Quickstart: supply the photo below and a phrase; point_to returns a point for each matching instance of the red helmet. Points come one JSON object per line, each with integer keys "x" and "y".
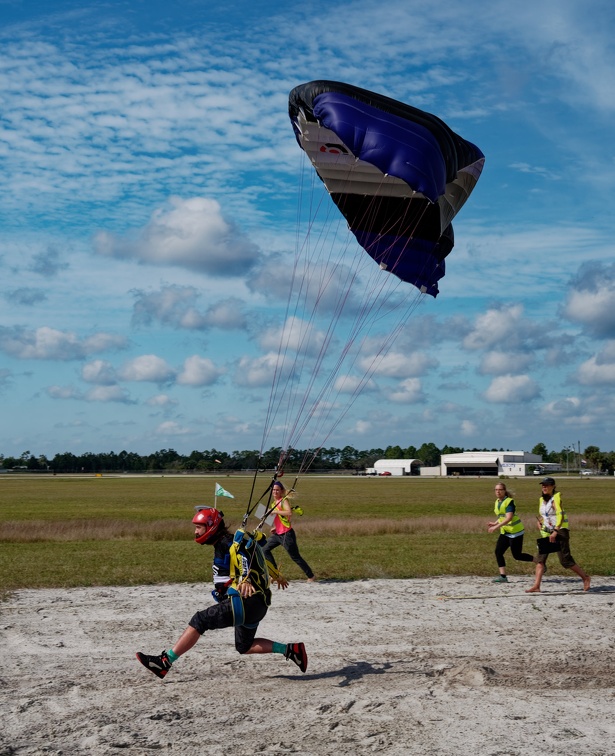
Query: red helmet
{"x": 212, "y": 520}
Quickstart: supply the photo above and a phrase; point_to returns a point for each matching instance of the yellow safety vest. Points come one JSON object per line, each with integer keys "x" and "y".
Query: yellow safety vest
{"x": 515, "y": 525}
{"x": 561, "y": 518}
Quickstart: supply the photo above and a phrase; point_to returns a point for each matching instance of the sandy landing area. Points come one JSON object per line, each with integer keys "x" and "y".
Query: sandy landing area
{"x": 436, "y": 666}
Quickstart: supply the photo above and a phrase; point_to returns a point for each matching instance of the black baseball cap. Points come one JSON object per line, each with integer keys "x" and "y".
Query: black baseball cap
{"x": 547, "y": 482}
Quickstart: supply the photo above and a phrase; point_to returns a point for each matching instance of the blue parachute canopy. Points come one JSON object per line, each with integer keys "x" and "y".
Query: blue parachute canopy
{"x": 399, "y": 175}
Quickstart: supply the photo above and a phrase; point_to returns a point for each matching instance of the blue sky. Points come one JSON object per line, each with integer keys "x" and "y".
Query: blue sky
{"x": 148, "y": 207}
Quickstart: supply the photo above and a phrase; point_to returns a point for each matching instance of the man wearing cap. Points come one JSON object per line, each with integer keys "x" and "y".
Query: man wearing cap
{"x": 553, "y": 524}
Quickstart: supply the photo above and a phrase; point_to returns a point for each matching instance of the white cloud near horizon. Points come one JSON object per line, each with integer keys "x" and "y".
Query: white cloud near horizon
{"x": 598, "y": 370}
{"x": 409, "y": 391}
{"x": 259, "y": 371}
{"x": 495, "y": 327}
{"x": 512, "y": 389}
{"x": 171, "y": 428}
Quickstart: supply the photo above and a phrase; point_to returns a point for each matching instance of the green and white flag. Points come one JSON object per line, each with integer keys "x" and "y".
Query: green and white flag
{"x": 221, "y": 492}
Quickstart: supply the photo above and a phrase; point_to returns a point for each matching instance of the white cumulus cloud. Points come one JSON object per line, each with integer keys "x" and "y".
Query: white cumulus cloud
{"x": 599, "y": 369}
{"x": 108, "y": 394}
{"x": 199, "y": 371}
{"x": 408, "y": 392}
{"x": 161, "y": 400}
{"x": 172, "y": 428}
{"x": 259, "y": 371}
{"x": 46, "y": 343}
{"x": 63, "y": 392}
{"x": 495, "y": 327}
{"x": 398, "y": 364}
{"x": 504, "y": 363}
{"x": 296, "y": 335}
{"x": 100, "y": 372}
{"x": 147, "y": 367}
{"x": 511, "y": 389}
{"x": 349, "y": 384}
{"x": 591, "y": 300}
{"x": 189, "y": 233}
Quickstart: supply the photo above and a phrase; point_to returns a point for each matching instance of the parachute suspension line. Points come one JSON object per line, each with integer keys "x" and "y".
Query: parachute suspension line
{"x": 313, "y": 406}
{"x": 340, "y": 306}
{"x": 279, "y": 362}
{"x": 298, "y": 330}
{"x": 376, "y": 360}
{"x": 367, "y": 311}
{"x": 283, "y": 347}
{"x": 304, "y": 281}
{"x": 249, "y": 506}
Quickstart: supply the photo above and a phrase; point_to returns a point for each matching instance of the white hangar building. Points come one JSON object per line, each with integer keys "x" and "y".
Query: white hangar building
{"x": 395, "y": 467}
{"x": 513, "y": 463}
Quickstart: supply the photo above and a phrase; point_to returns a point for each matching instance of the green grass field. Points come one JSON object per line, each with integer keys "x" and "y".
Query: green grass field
{"x": 81, "y": 531}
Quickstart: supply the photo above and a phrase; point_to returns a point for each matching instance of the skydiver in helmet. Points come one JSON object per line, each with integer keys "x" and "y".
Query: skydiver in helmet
{"x": 241, "y": 578}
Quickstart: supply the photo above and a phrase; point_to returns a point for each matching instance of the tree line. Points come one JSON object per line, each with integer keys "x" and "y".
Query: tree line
{"x": 345, "y": 459}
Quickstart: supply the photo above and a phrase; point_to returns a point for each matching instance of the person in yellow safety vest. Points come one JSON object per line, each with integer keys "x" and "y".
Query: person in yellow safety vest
{"x": 511, "y": 531}
{"x": 553, "y": 524}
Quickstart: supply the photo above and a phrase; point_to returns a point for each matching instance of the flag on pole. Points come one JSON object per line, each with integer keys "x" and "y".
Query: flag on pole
{"x": 221, "y": 492}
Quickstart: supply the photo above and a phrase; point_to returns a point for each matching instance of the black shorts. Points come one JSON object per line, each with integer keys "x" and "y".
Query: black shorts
{"x": 221, "y": 615}
{"x": 565, "y": 557}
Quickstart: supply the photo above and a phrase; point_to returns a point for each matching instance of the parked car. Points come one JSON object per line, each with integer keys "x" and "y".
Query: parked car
{"x": 386, "y": 472}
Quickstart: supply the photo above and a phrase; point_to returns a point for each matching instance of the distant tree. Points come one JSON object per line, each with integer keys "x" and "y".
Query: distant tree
{"x": 594, "y": 457}
{"x": 270, "y": 458}
{"x": 451, "y": 449}
{"x": 348, "y": 457}
{"x": 609, "y": 462}
{"x": 542, "y": 450}
{"x": 429, "y": 454}
{"x": 394, "y": 452}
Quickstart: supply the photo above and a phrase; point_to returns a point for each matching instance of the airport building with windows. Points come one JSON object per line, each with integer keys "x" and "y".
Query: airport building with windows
{"x": 513, "y": 463}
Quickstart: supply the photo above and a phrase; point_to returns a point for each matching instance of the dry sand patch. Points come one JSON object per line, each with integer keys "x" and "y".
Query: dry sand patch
{"x": 433, "y": 666}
